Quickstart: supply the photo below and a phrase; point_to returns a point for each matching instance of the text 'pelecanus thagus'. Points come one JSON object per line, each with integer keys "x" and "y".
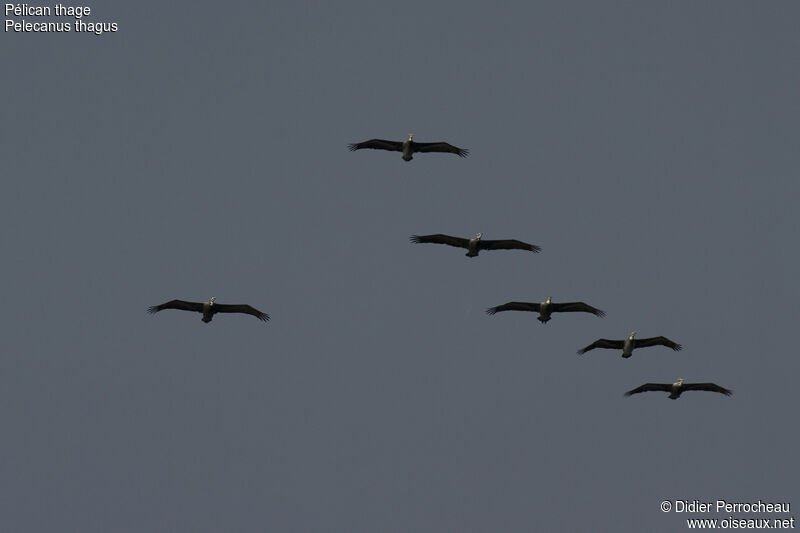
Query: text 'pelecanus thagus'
{"x": 545, "y": 308}
{"x": 409, "y": 147}
{"x": 209, "y": 308}
{"x": 476, "y": 244}
{"x": 679, "y": 387}
{"x": 628, "y": 345}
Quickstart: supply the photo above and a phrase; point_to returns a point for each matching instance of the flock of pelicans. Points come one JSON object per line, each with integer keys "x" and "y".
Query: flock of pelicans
{"x": 473, "y": 247}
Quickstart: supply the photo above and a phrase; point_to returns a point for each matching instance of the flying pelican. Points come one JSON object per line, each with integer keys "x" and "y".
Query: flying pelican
{"x": 677, "y": 388}
{"x": 630, "y": 343}
{"x": 409, "y": 147}
{"x": 209, "y": 308}
{"x": 545, "y": 308}
{"x": 475, "y": 245}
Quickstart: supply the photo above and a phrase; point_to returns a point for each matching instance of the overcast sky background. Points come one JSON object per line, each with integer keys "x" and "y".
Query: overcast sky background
{"x": 649, "y": 148}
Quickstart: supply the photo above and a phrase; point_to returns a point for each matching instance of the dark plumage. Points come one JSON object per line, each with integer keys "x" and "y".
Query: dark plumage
{"x": 546, "y": 308}
{"x": 476, "y": 244}
{"x": 628, "y": 345}
{"x": 209, "y": 308}
{"x": 409, "y": 147}
{"x": 678, "y": 388}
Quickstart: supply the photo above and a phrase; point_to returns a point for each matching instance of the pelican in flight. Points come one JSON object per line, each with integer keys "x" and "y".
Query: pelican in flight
{"x": 545, "y": 308}
{"x": 409, "y": 147}
{"x": 679, "y": 387}
{"x": 627, "y": 346}
{"x": 209, "y": 308}
{"x": 476, "y": 244}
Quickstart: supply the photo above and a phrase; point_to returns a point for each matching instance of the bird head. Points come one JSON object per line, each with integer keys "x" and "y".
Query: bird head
{"x": 211, "y": 300}
{"x": 632, "y": 335}
{"x": 478, "y": 235}
{"x": 679, "y": 382}
{"x": 548, "y": 299}
{"x": 410, "y": 136}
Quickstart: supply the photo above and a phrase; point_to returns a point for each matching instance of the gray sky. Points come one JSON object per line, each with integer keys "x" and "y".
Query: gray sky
{"x": 651, "y": 149}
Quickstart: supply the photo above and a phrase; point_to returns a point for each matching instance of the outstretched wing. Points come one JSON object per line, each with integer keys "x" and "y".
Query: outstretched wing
{"x": 177, "y": 304}
{"x": 378, "y": 144}
{"x": 602, "y": 343}
{"x": 647, "y": 387}
{"x": 440, "y": 238}
{"x": 241, "y": 308}
{"x": 657, "y": 341}
{"x": 575, "y": 307}
{"x": 712, "y": 387}
{"x": 439, "y": 147}
{"x": 507, "y": 244}
{"x": 514, "y": 306}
